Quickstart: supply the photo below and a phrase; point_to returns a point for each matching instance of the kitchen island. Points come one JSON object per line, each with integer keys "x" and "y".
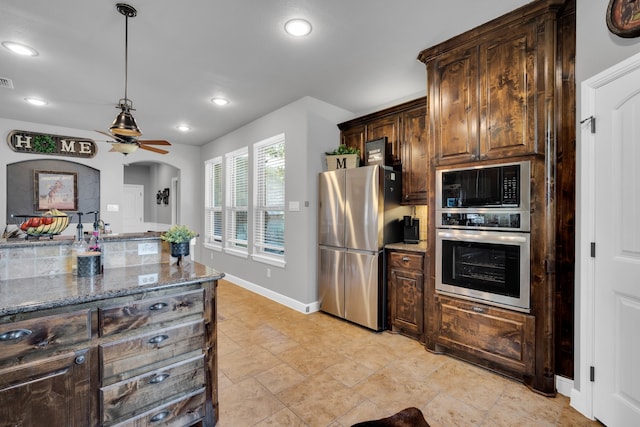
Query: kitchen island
{"x": 133, "y": 346}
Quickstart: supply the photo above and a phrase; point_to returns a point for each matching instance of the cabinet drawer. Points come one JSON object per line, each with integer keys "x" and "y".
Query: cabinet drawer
{"x": 500, "y": 336}
{"x": 43, "y": 335}
{"x": 178, "y": 413}
{"x": 140, "y": 394}
{"x": 151, "y": 311}
{"x": 405, "y": 260}
{"x": 132, "y": 356}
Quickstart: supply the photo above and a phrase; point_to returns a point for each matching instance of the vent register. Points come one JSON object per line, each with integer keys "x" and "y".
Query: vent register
{"x": 6, "y": 83}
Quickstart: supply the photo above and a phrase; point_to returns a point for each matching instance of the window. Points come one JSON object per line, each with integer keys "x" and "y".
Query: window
{"x": 237, "y": 175}
{"x": 269, "y": 197}
{"x": 213, "y": 203}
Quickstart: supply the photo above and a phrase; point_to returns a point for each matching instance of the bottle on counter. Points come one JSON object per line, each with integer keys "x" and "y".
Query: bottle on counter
{"x": 79, "y": 246}
{"x": 95, "y": 245}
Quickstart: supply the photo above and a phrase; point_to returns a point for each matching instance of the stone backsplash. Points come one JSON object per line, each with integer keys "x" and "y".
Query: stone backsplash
{"x": 41, "y": 258}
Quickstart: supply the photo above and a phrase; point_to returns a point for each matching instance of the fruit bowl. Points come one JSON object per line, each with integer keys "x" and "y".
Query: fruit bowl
{"x": 51, "y": 223}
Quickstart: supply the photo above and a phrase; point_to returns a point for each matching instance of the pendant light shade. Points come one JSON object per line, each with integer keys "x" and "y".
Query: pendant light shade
{"x": 124, "y": 123}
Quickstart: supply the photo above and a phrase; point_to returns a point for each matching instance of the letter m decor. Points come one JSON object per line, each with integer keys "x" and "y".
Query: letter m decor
{"x": 22, "y": 141}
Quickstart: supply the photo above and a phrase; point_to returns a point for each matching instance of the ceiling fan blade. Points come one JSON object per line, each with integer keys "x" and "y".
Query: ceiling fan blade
{"x": 154, "y": 149}
{"x": 117, "y": 138}
{"x": 154, "y": 142}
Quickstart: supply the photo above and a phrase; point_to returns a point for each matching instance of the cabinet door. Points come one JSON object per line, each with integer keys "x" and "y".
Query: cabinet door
{"x": 388, "y": 126}
{"x": 407, "y": 308}
{"x": 52, "y": 392}
{"x": 453, "y": 104}
{"x": 354, "y": 137}
{"x": 499, "y": 337}
{"x": 507, "y": 94}
{"x": 415, "y": 159}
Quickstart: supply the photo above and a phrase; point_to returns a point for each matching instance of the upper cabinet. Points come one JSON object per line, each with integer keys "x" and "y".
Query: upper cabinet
{"x": 490, "y": 93}
{"x": 404, "y": 126}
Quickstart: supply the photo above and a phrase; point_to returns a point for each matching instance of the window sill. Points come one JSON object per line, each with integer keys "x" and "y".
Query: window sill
{"x": 276, "y": 262}
{"x": 236, "y": 252}
{"x": 213, "y": 247}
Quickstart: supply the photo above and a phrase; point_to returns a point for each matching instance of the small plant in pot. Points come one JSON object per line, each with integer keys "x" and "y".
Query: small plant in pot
{"x": 343, "y": 157}
{"x": 179, "y": 237}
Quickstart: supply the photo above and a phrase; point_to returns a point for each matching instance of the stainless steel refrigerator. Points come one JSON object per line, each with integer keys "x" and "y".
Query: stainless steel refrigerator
{"x": 359, "y": 213}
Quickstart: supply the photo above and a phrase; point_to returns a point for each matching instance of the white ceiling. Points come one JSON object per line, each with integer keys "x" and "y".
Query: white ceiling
{"x": 360, "y": 56}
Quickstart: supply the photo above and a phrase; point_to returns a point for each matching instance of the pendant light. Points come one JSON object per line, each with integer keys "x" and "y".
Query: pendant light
{"x": 124, "y": 123}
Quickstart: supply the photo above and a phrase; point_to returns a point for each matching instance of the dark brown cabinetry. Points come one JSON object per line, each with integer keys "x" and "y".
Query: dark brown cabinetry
{"x": 486, "y": 94}
{"x": 141, "y": 359}
{"x": 406, "y": 296}
{"x": 54, "y": 391}
{"x": 404, "y": 126}
{"x": 497, "y": 337}
{"x": 501, "y": 91}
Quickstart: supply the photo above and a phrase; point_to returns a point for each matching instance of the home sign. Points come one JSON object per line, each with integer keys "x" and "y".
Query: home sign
{"x": 22, "y": 141}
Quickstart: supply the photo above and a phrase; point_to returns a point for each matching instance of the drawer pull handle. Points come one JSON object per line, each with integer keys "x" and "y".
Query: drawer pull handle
{"x": 477, "y": 309}
{"x": 159, "y": 417}
{"x": 15, "y": 335}
{"x": 157, "y": 379}
{"x": 158, "y": 306}
{"x": 405, "y": 258}
{"x": 158, "y": 339}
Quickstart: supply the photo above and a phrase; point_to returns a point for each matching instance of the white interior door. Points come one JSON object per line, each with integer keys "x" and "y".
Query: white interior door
{"x": 133, "y": 209}
{"x": 616, "y": 387}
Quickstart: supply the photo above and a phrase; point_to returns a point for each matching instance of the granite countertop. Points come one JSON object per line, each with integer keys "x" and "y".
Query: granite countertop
{"x": 37, "y": 293}
{"x": 409, "y": 247}
{"x": 58, "y": 240}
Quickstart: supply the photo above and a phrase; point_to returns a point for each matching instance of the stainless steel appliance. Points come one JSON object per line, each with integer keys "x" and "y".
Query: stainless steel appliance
{"x": 359, "y": 212}
{"x": 482, "y": 234}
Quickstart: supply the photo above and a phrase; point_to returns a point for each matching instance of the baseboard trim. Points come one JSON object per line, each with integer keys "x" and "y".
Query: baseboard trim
{"x": 564, "y": 385}
{"x": 274, "y": 296}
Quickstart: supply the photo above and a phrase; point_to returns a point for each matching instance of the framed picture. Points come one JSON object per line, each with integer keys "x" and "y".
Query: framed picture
{"x": 623, "y": 17}
{"x": 55, "y": 190}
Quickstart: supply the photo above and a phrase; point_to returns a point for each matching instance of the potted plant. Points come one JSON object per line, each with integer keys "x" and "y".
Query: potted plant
{"x": 178, "y": 237}
{"x": 343, "y": 157}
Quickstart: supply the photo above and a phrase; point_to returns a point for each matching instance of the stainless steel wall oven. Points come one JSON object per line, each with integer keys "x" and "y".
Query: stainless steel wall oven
{"x": 482, "y": 234}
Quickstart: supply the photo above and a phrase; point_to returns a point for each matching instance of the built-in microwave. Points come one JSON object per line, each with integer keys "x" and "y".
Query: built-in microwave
{"x": 496, "y": 186}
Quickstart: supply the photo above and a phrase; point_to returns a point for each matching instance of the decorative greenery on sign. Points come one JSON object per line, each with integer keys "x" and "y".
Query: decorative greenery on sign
{"x": 44, "y": 144}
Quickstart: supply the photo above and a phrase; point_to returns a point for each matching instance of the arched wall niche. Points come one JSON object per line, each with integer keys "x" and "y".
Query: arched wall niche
{"x": 20, "y": 188}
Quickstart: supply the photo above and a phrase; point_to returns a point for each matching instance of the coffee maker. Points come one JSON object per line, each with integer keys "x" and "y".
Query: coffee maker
{"x": 411, "y": 229}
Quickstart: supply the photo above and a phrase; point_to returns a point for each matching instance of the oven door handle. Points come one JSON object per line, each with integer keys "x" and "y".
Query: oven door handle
{"x": 495, "y": 237}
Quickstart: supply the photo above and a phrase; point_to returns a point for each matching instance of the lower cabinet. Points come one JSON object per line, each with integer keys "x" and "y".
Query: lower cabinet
{"x": 148, "y": 358}
{"x": 499, "y": 339}
{"x": 406, "y": 291}
{"x": 53, "y": 392}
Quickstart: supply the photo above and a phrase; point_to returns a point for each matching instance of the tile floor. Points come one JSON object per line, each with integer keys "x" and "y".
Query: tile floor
{"x": 278, "y": 367}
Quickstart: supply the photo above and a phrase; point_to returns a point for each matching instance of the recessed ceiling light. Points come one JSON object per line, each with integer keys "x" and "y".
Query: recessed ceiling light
{"x": 297, "y": 27}
{"x": 184, "y": 128}
{"x": 20, "y": 49}
{"x": 220, "y": 101}
{"x": 36, "y": 101}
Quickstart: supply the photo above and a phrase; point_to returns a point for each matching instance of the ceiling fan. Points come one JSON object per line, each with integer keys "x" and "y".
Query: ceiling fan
{"x": 124, "y": 129}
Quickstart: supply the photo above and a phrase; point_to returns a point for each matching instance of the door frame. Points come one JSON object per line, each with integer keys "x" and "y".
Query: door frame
{"x": 582, "y": 392}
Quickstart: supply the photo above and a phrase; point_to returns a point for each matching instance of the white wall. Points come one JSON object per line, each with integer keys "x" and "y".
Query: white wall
{"x": 596, "y": 50}
{"x": 310, "y": 129}
{"x": 111, "y": 167}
